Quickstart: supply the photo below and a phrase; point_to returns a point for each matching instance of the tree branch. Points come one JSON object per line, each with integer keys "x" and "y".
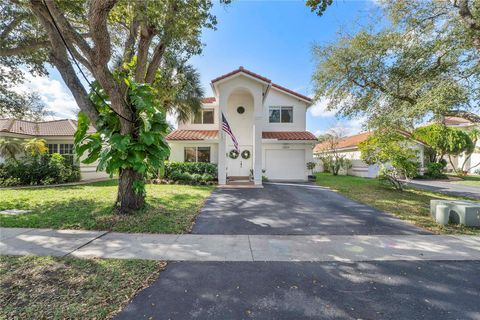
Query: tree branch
{"x": 27, "y": 47}
{"x": 164, "y": 42}
{"x": 59, "y": 58}
{"x": 468, "y": 19}
{"x": 18, "y": 19}
{"x": 129, "y": 47}
{"x": 67, "y": 30}
{"x": 146, "y": 36}
{"x": 97, "y": 16}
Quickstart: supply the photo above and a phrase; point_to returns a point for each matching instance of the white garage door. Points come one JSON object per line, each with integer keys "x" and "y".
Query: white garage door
{"x": 285, "y": 164}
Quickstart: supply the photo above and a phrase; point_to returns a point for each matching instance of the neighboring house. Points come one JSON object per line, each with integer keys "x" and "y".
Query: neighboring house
{"x": 348, "y": 146}
{"x": 267, "y": 120}
{"x": 465, "y": 125}
{"x": 58, "y": 135}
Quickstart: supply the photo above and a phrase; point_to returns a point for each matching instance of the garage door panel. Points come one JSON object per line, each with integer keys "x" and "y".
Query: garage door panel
{"x": 285, "y": 164}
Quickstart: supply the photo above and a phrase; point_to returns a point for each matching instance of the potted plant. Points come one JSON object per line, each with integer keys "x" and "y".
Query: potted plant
{"x": 311, "y": 166}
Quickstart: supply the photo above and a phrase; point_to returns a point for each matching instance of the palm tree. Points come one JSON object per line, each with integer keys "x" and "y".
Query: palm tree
{"x": 10, "y": 148}
{"x": 181, "y": 92}
{"x": 35, "y": 146}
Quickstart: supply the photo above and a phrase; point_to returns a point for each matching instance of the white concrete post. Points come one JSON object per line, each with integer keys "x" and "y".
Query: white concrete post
{"x": 257, "y": 139}
{"x": 422, "y": 161}
{"x": 222, "y": 161}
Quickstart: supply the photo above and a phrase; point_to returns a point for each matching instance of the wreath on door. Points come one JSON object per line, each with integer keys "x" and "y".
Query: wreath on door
{"x": 233, "y": 154}
{"x": 246, "y": 154}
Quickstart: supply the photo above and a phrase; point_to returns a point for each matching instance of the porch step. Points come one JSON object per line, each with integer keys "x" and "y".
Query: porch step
{"x": 237, "y": 178}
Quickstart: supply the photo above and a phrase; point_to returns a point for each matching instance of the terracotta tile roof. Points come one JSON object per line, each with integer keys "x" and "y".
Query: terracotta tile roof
{"x": 456, "y": 121}
{"x": 288, "y": 135}
{"x": 209, "y": 100}
{"x": 292, "y": 92}
{"x": 241, "y": 69}
{"x": 262, "y": 78}
{"x": 63, "y": 127}
{"x": 344, "y": 143}
{"x": 192, "y": 135}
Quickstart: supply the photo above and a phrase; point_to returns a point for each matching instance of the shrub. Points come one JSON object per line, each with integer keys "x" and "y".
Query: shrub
{"x": 435, "y": 169}
{"x": 38, "y": 170}
{"x": 190, "y": 172}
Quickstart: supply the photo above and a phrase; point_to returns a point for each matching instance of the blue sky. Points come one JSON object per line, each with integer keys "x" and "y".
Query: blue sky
{"x": 272, "y": 38}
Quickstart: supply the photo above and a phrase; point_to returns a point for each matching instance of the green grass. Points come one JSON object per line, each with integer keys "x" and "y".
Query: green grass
{"x": 170, "y": 208}
{"x": 412, "y": 205}
{"x": 66, "y": 288}
{"x": 473, "y": 181}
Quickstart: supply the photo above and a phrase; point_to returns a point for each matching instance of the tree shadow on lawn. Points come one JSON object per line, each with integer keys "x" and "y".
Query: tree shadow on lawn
{"x": 48, "y": 287}
{"x": 169, "y": 212}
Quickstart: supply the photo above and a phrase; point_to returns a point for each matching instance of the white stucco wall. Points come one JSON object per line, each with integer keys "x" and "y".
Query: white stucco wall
{"x": 177, "y": 150}
{"x": 277, "y": 98}
{"x": 188, "y": 125}
{"x": 241, "y": 124}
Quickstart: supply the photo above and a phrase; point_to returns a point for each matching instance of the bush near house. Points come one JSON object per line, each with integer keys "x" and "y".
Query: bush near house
{"x": 435, "y": 170}
{"x": 190, "y": 172}
{"x": 38, "y": 170}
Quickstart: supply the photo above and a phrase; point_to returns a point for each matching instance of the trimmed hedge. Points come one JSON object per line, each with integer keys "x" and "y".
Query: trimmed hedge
{"x": 190, "y": 172}
{"x": 39, "y": 170}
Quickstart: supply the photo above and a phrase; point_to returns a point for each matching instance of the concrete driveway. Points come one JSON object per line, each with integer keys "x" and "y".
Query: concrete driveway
{"x": 293, "y": 209}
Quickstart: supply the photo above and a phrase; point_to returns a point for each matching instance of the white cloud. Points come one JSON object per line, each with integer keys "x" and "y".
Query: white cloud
{"x": 319, "y": 109}
{"x": 53, "y": 93}
{"x": 172, "y": 119}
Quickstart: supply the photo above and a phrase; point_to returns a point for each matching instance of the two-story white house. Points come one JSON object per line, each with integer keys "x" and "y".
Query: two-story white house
{"x": 267, "y": 120}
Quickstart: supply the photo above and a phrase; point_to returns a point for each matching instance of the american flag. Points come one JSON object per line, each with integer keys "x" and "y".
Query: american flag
{"x": 227, "y": 129}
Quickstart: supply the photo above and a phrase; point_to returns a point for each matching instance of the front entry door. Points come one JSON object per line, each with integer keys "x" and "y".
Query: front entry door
{"x": 239, "y": 167}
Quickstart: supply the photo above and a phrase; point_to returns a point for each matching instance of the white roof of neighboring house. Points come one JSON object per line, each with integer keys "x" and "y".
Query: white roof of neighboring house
{"x": 456, "y": 121}
{"x": 63, "y": 127}
{"x": 352, "y": 142}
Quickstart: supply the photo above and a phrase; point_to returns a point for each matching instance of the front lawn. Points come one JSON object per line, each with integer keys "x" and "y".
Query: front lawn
{"x": 66, "y": 288}
{"x": 170, "y": 209}
{"x": 473, "y": 181}
{"x": 412, "y": 205}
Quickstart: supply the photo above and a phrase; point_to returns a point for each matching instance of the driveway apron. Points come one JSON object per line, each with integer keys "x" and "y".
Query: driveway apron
{"x": 293, "y": 209}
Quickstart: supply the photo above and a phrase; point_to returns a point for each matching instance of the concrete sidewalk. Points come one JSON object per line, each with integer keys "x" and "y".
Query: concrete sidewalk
{"x": 191, "y": 247}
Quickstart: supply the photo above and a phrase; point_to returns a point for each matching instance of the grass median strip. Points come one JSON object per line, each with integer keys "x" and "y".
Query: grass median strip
{"x": 412, "y": 205}
{"x": 170, "y": 208}
{"x": 67, "y": 288}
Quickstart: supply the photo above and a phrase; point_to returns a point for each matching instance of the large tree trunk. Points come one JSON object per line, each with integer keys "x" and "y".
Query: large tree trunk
{"x": 127, "y": 199}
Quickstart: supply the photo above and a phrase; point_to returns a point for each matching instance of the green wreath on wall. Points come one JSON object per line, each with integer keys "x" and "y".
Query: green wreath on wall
{"x": 233, "y": 154}
{"x": 246, "y": 154}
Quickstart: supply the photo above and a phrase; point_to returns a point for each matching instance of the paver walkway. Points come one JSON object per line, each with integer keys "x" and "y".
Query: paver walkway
{"x": 294, "y": 208}
{"x": 188, "y": 247}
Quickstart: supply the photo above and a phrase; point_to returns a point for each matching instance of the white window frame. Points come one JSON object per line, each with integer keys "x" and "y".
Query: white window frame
{"x": 280, "y": 109}
{"x": 196, "y": 153}
{"x": 202, "y": 120}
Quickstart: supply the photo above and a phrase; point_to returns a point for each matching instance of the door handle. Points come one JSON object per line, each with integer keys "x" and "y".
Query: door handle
{"x": 241, "y": 164}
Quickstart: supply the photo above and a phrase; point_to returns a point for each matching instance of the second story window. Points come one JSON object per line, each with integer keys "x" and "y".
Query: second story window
{"x": 205, "y": 116}
{"x": 280, "y": 115}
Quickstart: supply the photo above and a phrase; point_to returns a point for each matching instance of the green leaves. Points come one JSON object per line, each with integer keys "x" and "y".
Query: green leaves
{"x": 418, "y": 66}
{"x": 445, "y": 140}
{"x": 144, "y": 150}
